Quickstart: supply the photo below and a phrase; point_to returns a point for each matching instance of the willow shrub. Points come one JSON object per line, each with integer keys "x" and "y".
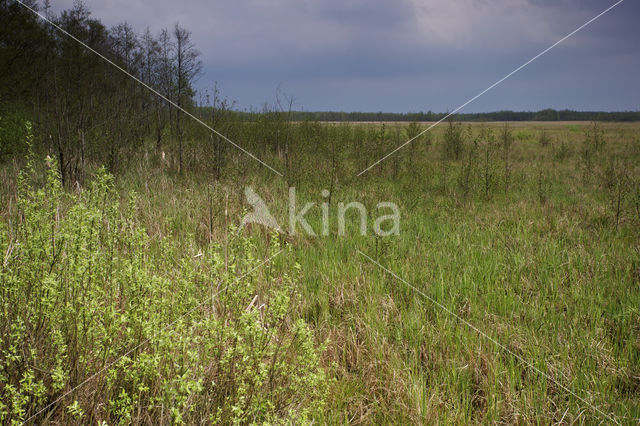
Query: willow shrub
{"x": 162, "y": 331}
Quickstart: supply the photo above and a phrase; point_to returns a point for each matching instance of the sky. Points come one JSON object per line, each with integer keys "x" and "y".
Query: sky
{"x": 403, "y": 55}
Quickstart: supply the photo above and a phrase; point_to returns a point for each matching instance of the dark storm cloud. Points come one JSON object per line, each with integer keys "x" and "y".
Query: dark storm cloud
{"x": 404, "y": 55}
{"x": 365, "y": 13}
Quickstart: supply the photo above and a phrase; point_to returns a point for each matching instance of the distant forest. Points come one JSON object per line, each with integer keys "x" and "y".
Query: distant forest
{"x": 543, "y": 115}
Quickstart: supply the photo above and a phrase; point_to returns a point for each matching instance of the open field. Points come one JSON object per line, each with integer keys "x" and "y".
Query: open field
{"x": 529, "y": 232}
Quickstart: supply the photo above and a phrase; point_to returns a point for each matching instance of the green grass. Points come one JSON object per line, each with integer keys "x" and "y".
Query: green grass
{"x": 543, "y": 262}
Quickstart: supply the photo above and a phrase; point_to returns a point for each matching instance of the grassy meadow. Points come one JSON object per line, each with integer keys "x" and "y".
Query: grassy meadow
{"x": 138, "y": 285}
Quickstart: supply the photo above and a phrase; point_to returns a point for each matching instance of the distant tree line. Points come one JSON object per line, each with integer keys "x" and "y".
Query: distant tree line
{"x": 83, "y": 108}
{"x": 543, "y": 115}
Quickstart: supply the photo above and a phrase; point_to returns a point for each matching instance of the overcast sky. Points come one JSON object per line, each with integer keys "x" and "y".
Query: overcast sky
{"x": 404, "y": 55}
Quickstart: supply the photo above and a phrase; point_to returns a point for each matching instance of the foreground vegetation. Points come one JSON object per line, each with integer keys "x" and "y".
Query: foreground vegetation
{"x": 101, "y": 323}
{"x": 528, "y": 232}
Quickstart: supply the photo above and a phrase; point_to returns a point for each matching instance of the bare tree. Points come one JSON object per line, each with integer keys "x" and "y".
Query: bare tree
{"x": 220, "y": 118}
{"x": 188, "y": 66}
{"x": 125, "y": 43}
{"x": 165, "y": 83}
{"x": 150, "y": 53}
{"x": 284, "y": 104}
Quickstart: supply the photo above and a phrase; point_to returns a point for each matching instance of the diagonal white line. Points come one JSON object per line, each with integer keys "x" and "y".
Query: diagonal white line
{"x": 154, "y": 91}
{"x": 168, "y": 326}
{"x": 491, "y": 87}
{"x": 491, "y": 339}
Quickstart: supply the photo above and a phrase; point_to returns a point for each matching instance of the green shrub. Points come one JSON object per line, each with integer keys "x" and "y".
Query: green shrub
{"x": 544, "y": 139}
{"x": 454, "y": 141}
{"x": 594, "y": 139}
{"x": 99, "y": 322}
{"x": 561, "y": 151}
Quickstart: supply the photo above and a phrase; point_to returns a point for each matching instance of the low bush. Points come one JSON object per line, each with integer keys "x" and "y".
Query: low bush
{"x": 101, "y": 323}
